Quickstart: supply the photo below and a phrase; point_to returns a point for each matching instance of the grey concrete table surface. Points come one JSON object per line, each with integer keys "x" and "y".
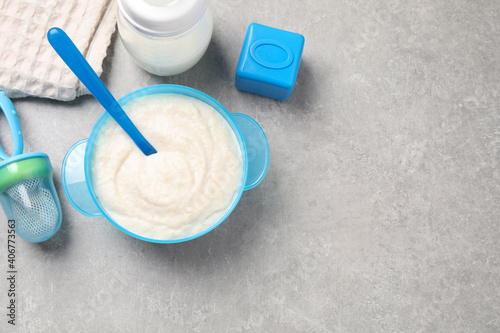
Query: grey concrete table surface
{"x": 380, "y": 211}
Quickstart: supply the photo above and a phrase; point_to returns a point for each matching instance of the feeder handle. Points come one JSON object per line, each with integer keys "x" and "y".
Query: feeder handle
{"x": 15, "y": 128}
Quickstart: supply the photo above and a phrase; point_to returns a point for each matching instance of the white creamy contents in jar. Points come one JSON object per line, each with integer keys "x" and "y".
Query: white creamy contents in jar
{"x": 183, "y": 189}
{"x": 165, "y": 37}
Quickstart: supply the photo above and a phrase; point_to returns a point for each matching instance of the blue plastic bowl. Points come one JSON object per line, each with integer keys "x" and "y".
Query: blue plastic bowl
{"x": 76, "y": 169}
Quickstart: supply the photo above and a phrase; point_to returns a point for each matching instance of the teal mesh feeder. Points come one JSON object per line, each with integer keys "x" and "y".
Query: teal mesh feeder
{"x": 27, "y": 191}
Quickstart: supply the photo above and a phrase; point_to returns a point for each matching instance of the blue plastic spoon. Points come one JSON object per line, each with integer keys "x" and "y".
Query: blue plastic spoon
{"x": 68, "y": 52}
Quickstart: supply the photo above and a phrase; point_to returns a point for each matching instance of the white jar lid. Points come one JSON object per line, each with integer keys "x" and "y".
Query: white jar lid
{"x": 162, "y": 17}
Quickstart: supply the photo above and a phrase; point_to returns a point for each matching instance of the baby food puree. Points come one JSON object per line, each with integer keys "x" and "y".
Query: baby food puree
{"x": 181, "y": 190}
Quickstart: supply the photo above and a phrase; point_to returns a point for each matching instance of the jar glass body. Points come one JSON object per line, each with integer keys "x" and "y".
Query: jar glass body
{"x": 170, "y": 55}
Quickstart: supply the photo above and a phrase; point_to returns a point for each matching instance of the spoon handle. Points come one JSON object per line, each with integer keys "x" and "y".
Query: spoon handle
{"x": 70, "y": 54}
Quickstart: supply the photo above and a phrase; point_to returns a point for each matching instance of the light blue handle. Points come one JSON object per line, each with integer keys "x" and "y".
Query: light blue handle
{"x": 257, "y": 149}
{"x": 63, "y": 45}
{"x": 74, "y": 182}
{"x": 15, "y": 128}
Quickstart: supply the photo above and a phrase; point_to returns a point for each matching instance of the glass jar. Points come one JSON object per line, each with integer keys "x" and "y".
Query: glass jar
{"x": 165, "y": 37}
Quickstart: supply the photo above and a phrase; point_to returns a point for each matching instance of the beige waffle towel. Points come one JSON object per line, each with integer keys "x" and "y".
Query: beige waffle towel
{"x": 28, "y": 64}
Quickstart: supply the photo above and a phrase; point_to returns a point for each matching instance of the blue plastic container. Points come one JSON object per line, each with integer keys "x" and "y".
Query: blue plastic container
{"x": 76, "y": 168}
{"x": 269, "y": 61}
